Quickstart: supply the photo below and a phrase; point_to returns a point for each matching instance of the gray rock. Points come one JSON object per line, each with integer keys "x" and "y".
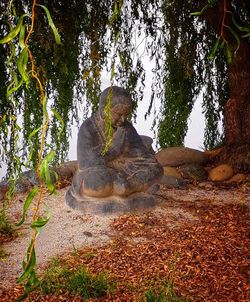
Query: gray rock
{"x": 173, "y": 182}
{"x": 194, "y": 172}
{"x": 177, "y": 156}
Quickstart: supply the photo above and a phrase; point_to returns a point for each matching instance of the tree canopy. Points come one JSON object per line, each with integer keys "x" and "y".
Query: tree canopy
{"x": 191, "y": 59}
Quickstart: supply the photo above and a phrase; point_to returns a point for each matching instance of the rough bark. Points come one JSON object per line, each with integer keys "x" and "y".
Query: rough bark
{"x": 237, "y": 108}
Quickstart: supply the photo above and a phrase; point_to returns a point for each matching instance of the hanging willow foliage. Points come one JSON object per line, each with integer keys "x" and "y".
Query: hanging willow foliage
{"x": 178, "y": 42}
{"x": 187, "y": 72}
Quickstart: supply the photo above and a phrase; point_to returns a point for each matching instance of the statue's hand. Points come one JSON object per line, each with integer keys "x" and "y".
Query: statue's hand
{"x": 119, "y": 134}
{"x": 118, "y": 142}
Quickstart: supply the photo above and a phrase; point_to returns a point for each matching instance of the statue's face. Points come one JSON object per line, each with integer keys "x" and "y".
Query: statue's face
{"x": 119, "y": 114}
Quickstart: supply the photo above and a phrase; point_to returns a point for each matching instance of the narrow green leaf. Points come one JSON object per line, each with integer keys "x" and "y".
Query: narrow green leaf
{"x": 57, "y": 115}
{"x": 22, "y": 65}
{"x": 31, "y": 262}
{"x": 246, "y": 35}
{"x": 239, "y": 27}
{"x": 27, "y": 204}
{"x": 52, "y": 25}
{"x": 15, "y": 31}
{"x": 201, "y": 12}
{"x": 40, "y": 222}
{"x": 15, "y": 88}
{"x": 215, "y": 48}
{"x": 237, "y": 38}
{"x": 45, "y": 113}
{"x": 34, "y": 132}
{"x": 22, "y": 36}
{"x": 117, "y": 36}
{"x": 196, "y": 14}
{"x": 50, "y": 156}
{"x": 45, "y": 171}
{"x": 229, "y": 55}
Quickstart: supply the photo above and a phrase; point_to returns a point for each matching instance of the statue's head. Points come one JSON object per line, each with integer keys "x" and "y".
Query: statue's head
{"x": 120, "y": 105}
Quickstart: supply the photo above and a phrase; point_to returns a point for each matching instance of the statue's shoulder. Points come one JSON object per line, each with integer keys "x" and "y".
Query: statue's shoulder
{"x": 87, "y": 124}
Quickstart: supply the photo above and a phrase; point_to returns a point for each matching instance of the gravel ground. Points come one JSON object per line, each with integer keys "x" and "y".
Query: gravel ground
{"x": 69, "y": 229}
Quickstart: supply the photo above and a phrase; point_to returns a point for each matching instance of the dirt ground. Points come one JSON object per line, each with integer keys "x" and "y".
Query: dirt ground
{"x": 194, "y": 211}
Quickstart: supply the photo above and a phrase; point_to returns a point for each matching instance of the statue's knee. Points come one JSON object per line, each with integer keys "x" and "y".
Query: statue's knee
{"x": 101, "y": 191}
{"x": 97, "y": 184}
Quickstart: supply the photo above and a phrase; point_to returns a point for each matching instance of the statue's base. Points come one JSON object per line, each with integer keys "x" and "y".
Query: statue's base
{"x": 109, "y": 205}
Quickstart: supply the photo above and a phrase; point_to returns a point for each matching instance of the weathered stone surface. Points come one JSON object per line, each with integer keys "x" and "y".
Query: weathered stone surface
{"x": 171, "y": 171}
{"x": 177, "y": 156}
{"x": 239, "y": 177}
{"x": 109, "y": 205}
{"x": 126, "y": 168}
{"x": 221, "y": 172}
{"x": 66, "y": 170}
{"x": 194, "y": 172}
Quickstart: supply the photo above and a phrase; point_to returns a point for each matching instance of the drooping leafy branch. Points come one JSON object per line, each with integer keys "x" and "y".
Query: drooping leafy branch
{"x": 23, "y": 70}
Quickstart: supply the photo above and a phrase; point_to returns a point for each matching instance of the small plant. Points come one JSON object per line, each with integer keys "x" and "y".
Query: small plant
{"x": 3, "y": 255}
{"x": 55, "y": 277}
{"x": 77, "y": 281}
{"x": 87, "y": 286}
{"x": 5, "y": 225}
{"x": 165, "y": 294}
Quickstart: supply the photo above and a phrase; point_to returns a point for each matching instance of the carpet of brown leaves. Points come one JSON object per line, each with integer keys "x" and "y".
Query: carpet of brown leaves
{"x": 208, "y": 258}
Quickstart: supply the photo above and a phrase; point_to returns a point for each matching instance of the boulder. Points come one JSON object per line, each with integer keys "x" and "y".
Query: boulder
{"x": 171, "y": 171}
{"x": 177, "y": 156}
{"x": 194, "y": 172}
{"x": 239, "y": 177}
{"x": 221, "y": 172}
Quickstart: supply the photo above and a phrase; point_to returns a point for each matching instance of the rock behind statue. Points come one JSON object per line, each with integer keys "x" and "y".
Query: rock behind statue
{"x": 120, "y": 179}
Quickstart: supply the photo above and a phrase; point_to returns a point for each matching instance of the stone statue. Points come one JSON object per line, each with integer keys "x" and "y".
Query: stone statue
{"x": 119, "y": 179}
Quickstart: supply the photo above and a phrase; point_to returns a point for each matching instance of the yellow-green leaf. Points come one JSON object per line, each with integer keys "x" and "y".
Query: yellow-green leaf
{"x": 21, "y": 36}
{"x": 14, "y": 32}
{"x": 58, "y": 116}
{"x": 22, "y": 65}
{"x": 27, "y": 204}
{"x": 52, "y": 25}
{"x": 29, "y": 266}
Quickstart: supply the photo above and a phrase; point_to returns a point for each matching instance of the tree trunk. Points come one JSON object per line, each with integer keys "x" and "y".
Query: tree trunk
{"x": 237, "y": 108}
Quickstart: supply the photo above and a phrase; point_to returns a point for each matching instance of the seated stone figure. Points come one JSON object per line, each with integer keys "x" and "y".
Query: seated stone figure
{"x": 113, "y": 179}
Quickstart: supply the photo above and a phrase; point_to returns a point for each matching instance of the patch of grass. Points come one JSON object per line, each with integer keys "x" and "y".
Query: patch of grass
{"x": 165, "y": 294}
{"x": 88, "y": 286}
{"x": 166, "y": 291}
{"x": 89, "y": 255}
{"x": 3, "y": 254}
{"x": 55, "y": 277}
{"x": 5, "y": 225}
{"x": 77, "y": 281}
